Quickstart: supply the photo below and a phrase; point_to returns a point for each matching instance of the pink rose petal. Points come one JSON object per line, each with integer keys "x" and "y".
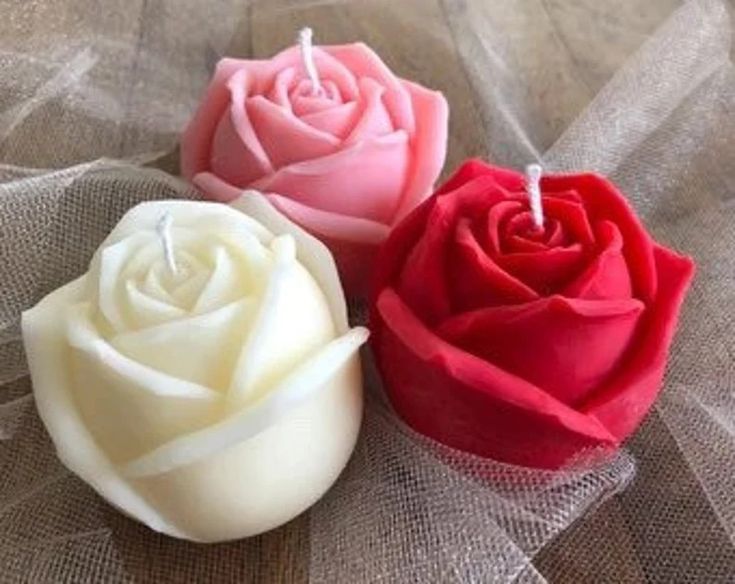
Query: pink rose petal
{"x": 364, "y": 180}
{"x": 284, "y": 137}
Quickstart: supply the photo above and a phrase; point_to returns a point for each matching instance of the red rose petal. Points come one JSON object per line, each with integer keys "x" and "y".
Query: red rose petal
{"x": 604, "y": 202}
{"x": 476, "y": 280}
{"x": 423, "y": 280}
{"x": 606, "y": 277}
{"x": 496, "y": 216}
{"x": 464, "y": 402}
{"x": 564, "y": 346}
{"x": 545, "y": 271}
{"x": 623, "y": 401}
{"x": 572, "y": 216}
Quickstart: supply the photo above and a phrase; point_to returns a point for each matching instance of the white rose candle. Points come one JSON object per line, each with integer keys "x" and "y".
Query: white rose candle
{"x": 201, "y": 376}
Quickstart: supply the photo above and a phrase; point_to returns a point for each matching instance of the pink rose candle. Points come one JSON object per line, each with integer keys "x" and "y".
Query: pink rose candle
{"x": 336, "y": 141}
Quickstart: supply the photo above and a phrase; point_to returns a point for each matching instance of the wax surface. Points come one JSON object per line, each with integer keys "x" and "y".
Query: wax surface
{"x": 522, "y": 344}
{"x": 212, "y": 401}
{"x": 345, "y": 163}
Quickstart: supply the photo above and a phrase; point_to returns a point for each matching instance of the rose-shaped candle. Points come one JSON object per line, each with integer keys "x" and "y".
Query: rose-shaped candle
{"x": 339, "y": 143}
{"x": 201, "y": 376}
{"x": 525, "y": 319}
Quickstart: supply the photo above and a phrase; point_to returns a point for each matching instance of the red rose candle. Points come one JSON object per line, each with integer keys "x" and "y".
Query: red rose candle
{"x": 525, "y": 318}
{"x": 337, "y": 141}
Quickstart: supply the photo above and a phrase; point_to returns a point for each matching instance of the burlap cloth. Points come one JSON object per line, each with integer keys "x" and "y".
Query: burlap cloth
{"x": 642, "y": 91}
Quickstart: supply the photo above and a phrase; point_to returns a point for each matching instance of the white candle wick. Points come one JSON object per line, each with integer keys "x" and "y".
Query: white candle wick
{"x": 307, "y": 55}
{"x": 163, "y": 228}
{"x": 533, "y": 187}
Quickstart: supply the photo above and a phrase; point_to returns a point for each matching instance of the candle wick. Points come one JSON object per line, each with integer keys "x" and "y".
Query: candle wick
{"x": 163, "y": 228}
{"x": 533, "y": 188}
{"x": 307, "y": 55}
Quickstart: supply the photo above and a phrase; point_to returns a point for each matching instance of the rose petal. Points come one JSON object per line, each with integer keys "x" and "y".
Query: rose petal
{"x": 572, "y": 216}
{"x": 337, "y": 121}
{"x": 423, "y": 281}
{"x": 429, "y": 143}
{"x": 464, "y": 402}
{"x": 240, "y": 89}
{"x": 206, "y": 345}
{"x": 365, "y": 180}
{"x": 196, "y": 140}
{"x": 311, "y": 252}
{"x": 280, "y": 93}
{"x": 353, "y": 241}
{"x": 43, "y": 337}
{"x": 603, "y": 201}
{"x": 231, "y": 158}
{"x": 329, "y": 69}
{"x": 522, "y": 236}
{"x": 626, "y": 398}
{"x": 607, "y": 275}
{"x": 545, "y": 271}
{"x": 304, "y": 101}
{"x": 497, "y": 216}
{"x": 283, "y": 333}
{"x": 373, "y": 119}
{"x": 476, "y": 280}
{"x": 162, "y": 406}
{"x": 362, "y": 61}
{"x": 226, "y": 283}
{"x": 285, "y": 138}
{"x": 564, "y": 346}
{"x": 293, "y": 390}
{"x": 149, "y": 310}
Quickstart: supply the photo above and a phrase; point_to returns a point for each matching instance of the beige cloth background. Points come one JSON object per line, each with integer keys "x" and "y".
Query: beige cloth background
{"x": 82, "y": 79}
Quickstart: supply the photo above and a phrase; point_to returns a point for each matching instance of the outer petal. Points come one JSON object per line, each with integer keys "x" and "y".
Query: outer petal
{"x": 566, "y": 347}
{"x": 423, "y": 282}
{"x": 311, "y": 252}
{"x": 110, "y": 389}
{"x": 353, "y": 241}
{"x": 362, "y": 61}
{"x": 429, "y": 145}
{"x": 604, "y": 202}
{"x": 469, "y": 404}
{"x": 43, "y": 337}
{"x": 623, "y": 402}
{"x": 365, "y": 180}
{"x": 230, "y": 158}
{"x": 217, "y": 496}
{"x": 283, "y": 333}
{"x": 196, "y": 141}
